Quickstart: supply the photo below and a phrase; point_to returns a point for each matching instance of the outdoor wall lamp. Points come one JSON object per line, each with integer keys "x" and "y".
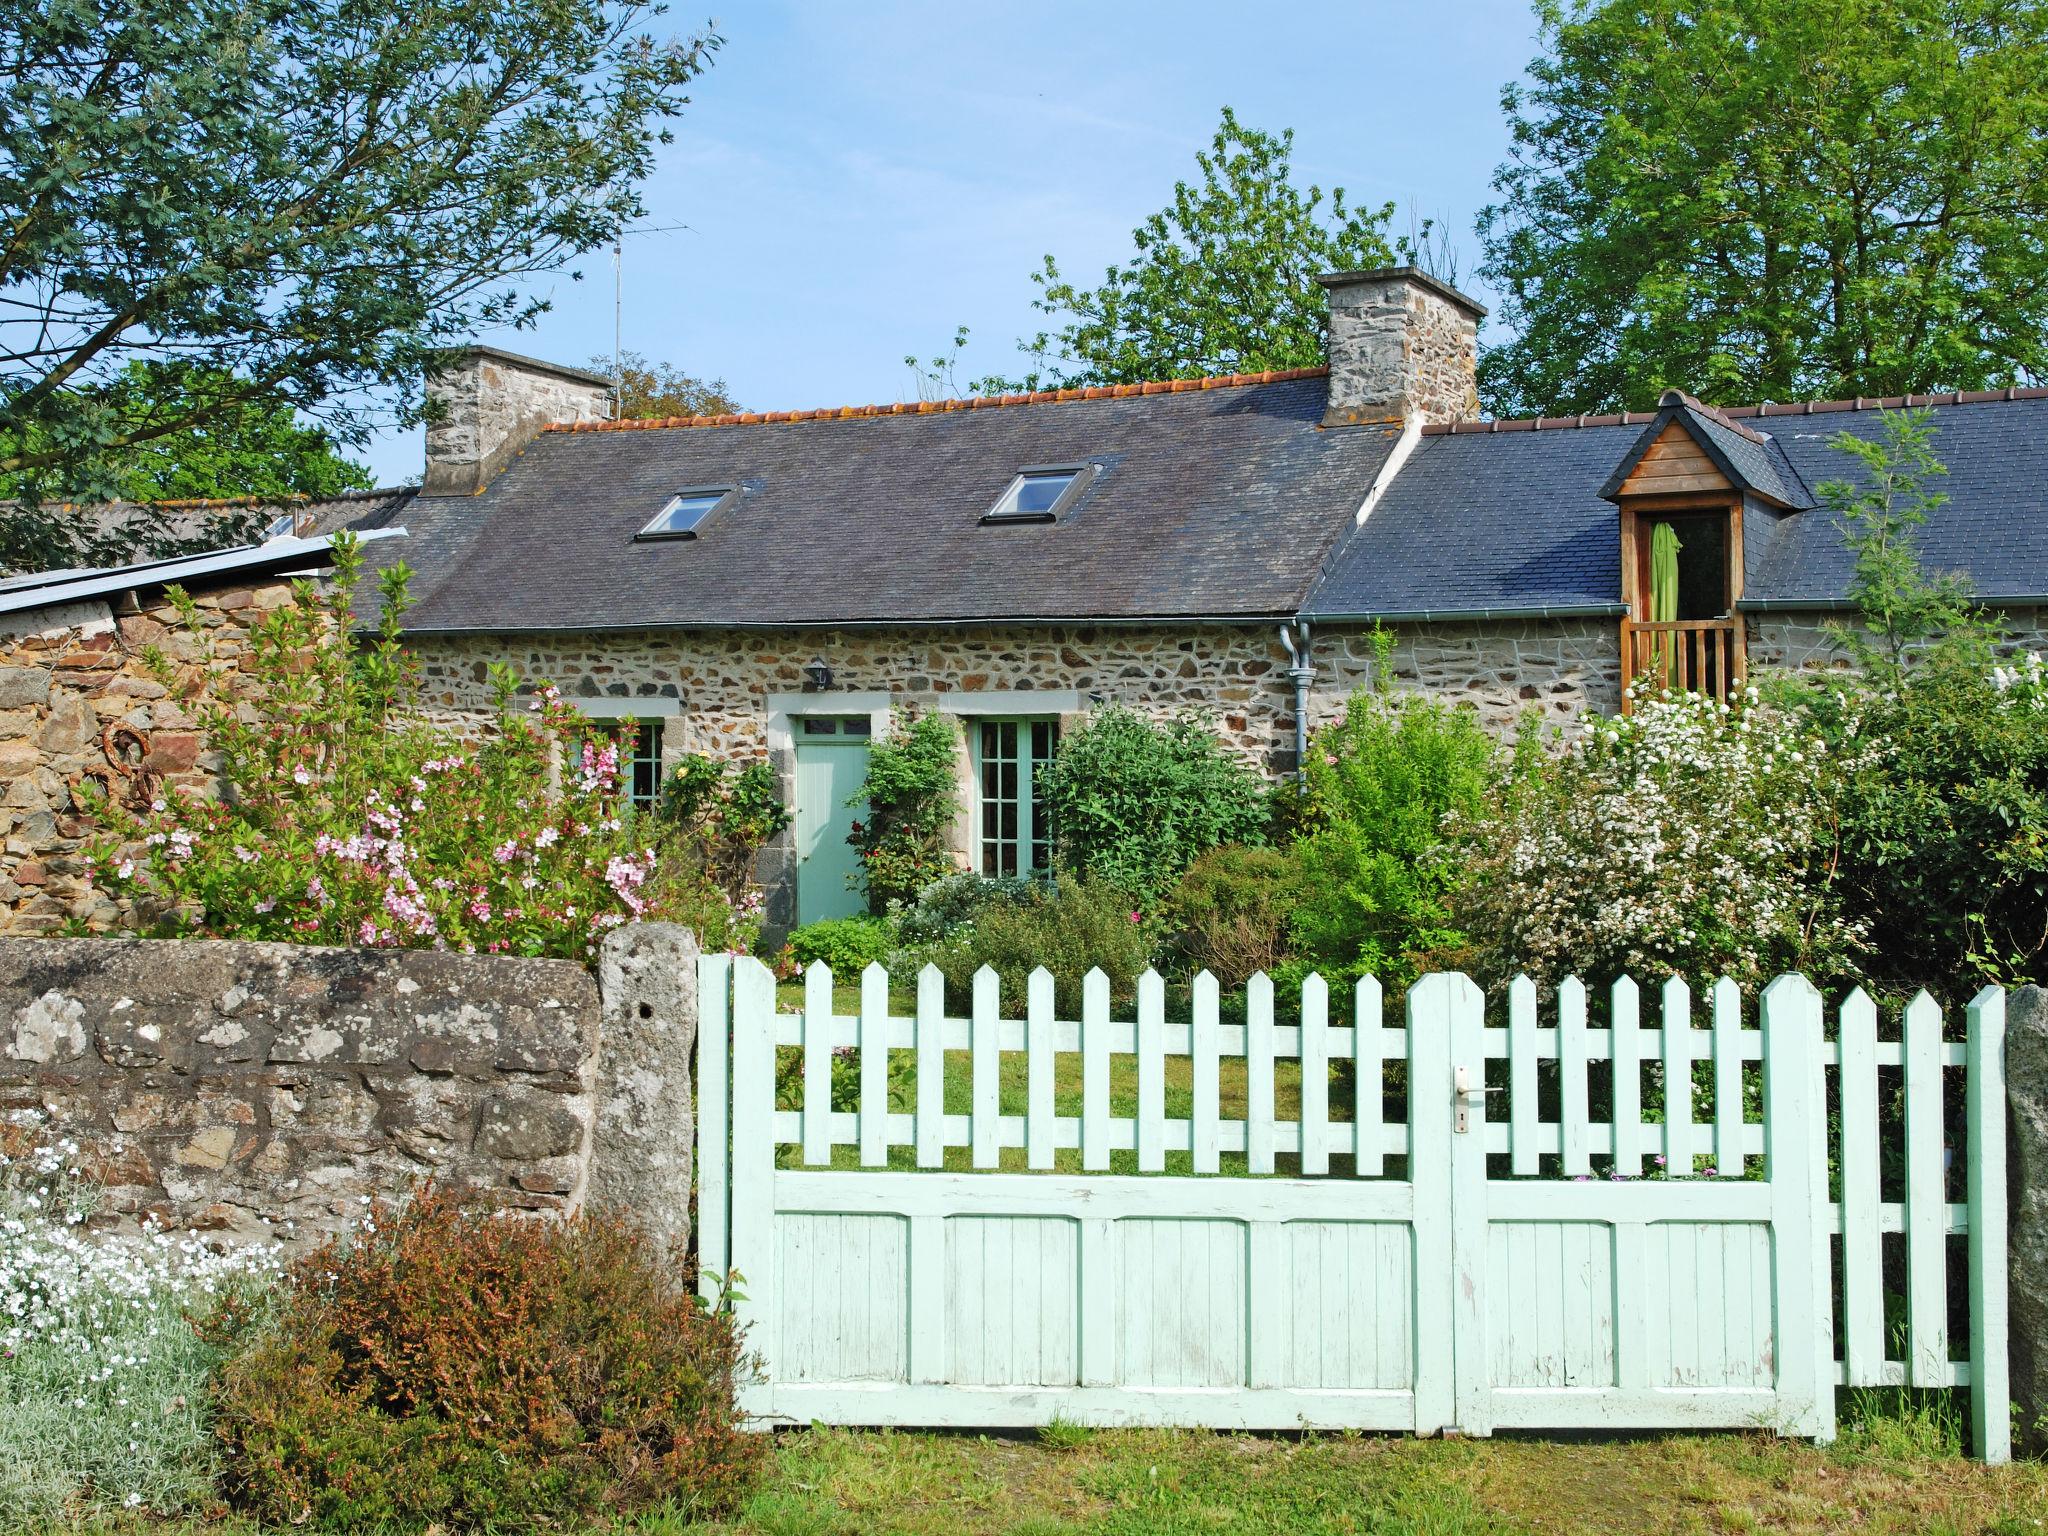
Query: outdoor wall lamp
{"x": 817, "y": 677}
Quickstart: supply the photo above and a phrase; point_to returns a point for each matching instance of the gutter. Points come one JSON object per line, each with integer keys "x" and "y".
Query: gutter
{"x": 1433, "y": 615}
{"x": 641, "y": 626}
{"x": 1843, "y": 605}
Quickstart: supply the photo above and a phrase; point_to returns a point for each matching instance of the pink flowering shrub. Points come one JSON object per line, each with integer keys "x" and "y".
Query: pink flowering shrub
{"x": 347, "y": 817}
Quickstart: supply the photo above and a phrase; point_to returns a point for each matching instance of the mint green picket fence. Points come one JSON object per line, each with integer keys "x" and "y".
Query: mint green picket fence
{"x": 1561, "y": 1222}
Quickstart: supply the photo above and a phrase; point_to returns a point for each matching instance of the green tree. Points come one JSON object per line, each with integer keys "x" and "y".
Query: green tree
{"x": 1900, "y": 603}
{"x": 652, "y": 390}
{"x": 1222, "y": 281}
{"x": 306, "y": 202}
{"x": 1942, "y": 739}
{"x": 259, "y": 449}
{"x": 1771, "y": 199}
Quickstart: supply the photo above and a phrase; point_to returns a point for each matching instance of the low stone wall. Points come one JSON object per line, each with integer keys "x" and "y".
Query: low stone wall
{"x": 271, "y": 1089}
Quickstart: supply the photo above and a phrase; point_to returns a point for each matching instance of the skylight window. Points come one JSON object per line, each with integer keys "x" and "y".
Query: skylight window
{"x": 1038, "y": 495}
{"x": 686, "y": 512}
{"x": 283, "y": 526}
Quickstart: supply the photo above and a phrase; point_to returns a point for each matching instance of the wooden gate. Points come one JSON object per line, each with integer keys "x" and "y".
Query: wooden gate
{"x": 1277, "y": 1223}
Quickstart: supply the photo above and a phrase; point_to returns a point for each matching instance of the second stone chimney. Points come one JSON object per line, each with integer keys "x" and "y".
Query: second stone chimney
{"x": 493, "y": 404}
{"x": 1402, "y": 345}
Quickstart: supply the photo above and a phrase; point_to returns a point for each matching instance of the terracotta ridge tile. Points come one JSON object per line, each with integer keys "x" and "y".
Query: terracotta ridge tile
{"x": 1732, "y": 415}
{"x": 937, "y": 407}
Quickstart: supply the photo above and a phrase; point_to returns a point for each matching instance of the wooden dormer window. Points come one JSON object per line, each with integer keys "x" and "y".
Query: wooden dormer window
{"x": 1681, "y": 567}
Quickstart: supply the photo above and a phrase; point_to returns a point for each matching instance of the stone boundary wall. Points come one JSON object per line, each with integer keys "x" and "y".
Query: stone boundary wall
{"x": 270, "y": 1089}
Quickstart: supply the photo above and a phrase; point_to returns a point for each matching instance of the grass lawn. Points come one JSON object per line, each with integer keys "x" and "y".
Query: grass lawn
{"x": 1899, "y": 1477}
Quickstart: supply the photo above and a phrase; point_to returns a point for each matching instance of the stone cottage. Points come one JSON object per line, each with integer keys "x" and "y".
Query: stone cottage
{"x": 773, "y": 584}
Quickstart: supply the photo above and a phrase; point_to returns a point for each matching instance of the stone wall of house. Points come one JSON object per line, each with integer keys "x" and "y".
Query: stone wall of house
{"x": 720, "y": 680}
{"x": 1503, "y": 668}
{"x": 271, "y": 1089}
{"x": 1803, "y": 641}
{"x": 79, "y": 702}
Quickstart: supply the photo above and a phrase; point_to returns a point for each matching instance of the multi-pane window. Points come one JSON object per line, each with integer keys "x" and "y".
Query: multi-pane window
{"x": 1016, "y": 835}
{"x": 640, "y": 760}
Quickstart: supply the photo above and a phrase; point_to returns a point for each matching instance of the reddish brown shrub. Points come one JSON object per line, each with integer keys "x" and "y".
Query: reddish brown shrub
{"x": 474, "y": 1369}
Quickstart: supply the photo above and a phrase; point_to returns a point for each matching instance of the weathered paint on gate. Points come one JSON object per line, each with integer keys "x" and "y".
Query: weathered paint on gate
{"x": 987, "y": 1268}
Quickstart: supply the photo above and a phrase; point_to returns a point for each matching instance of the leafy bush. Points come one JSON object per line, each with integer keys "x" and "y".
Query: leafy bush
{"x": 712, "y": 818}
{"x": 483, "y": 1370}
{"x": 1229, "y": 914}
{"x": 1069, "y": 928}
{"x": 1689, "y": 838}
{"x": 953, "y": 902}
{"x": 350, "y": 819}
{"x": 725, "y": 815}
{"x": 1945, "y": 821}
{"x": 848, "y": 945}
{"x": 1377, "y": 867}
{"x": 1133, "y": 803}
{"x": 911, "y": 802}
{"x": 103, "y": 1382}
{"x": 1944, "y": 834}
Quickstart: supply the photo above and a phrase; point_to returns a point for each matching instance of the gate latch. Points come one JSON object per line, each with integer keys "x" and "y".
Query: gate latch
{"x": 1464, "y": 1095}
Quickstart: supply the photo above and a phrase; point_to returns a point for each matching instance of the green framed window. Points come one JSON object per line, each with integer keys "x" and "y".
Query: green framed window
{"x": 1015, "y": 835}
{"x": 639, "y": 759}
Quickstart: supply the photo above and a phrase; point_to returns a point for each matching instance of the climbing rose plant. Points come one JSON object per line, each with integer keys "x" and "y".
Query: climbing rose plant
{"x": 350, "y": 818}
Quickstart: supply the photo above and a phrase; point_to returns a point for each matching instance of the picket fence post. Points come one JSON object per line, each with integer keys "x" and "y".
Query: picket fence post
{"x": 1429, "y": 1175}
{"x": 753, "y": 1155}
{"x": 1984, "y": 1111}
{"x": 714, "y": 1124}
{"x": 1794, "y": 1118}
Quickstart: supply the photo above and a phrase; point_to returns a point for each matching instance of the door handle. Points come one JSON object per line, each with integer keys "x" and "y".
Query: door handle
{"x": 1464, "y": 1095}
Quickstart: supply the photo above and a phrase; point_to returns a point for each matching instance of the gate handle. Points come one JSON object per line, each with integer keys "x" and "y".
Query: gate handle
{"x": 1466, "y": 1095}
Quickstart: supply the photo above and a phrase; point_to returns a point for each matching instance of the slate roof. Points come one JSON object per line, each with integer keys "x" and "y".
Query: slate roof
{"x": 1508, "y": 517}
{"x": 212, "y": 523}
{"x": 1486, "y": 522}
{"x": 1994, "y": 526}
{"x": 1212, "y": 502}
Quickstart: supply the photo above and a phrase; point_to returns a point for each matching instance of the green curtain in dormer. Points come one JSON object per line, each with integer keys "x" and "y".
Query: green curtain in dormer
{"x": 1664, "y": 547}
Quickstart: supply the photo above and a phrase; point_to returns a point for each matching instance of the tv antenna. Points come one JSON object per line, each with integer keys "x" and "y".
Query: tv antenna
{"x": 619, "y": 305}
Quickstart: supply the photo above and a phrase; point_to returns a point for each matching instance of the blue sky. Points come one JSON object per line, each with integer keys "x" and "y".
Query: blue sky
{"x": 858, "y": 180}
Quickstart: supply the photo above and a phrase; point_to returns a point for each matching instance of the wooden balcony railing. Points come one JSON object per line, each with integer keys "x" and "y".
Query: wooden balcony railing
{"x": 1690, "y": 655}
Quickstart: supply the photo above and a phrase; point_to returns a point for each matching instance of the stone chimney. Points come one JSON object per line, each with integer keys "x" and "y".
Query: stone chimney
{"x": 496, "y": 403}
{"x": 1402, "y": 345}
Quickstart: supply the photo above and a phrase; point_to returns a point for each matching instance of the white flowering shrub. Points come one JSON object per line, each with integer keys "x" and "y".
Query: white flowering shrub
{"x": 1689, "y": 838}
{"x": 103, "y": 1379}
{"x": 2023, "y": 686}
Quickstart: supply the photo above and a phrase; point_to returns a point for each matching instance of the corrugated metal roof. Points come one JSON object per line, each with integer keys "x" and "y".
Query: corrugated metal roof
{"x": 48, "y": 589}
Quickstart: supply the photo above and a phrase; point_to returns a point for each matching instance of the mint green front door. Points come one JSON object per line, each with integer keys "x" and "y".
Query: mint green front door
{"x": 831, "y": 765}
